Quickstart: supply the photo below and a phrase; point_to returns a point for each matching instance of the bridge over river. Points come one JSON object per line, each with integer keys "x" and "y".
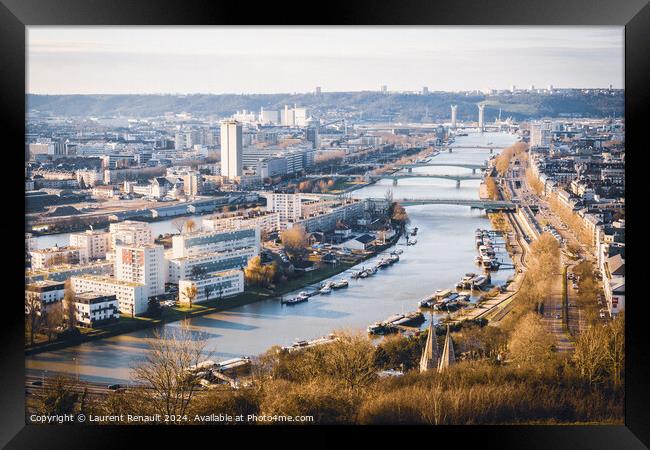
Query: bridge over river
{"x": 488, "y": 205}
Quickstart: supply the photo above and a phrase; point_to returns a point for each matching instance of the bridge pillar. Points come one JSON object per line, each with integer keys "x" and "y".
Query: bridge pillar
{"x": 394, "y": 181}
{"x": 474, "y": 171}
{"x": 449, "y": 149}
{"x": 458, "y": 184}
{"x": 409, "y": 170}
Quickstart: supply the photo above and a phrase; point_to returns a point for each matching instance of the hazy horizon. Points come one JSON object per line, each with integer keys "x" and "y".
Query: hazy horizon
{"x": 157, "y": 60}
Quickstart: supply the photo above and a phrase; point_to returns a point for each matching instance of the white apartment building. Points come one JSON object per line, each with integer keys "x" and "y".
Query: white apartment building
{"x": 265, "y": 221}
{"x": 192, "y": 185}
{"x": 325, "y": 217}
{"x": 294, "y": 117}
{"x": 132, "y": 297}
{"x": 95, "y": 243}
{"x": 92, "y": 308}
{"x": 211, "y": 286}
{"x": 47, "y": 291}
{"x": 540, "y": 134}
{"x": 288, "y": 206}
{"x": 189, "y": 266}
{"x": 53, "y": 256}
{"x": 130, "y": 232}
{"x": 142, "y": 264}
{"x": 199, "y": 242}
{"x": 269, "y": 116}
{"x": 90, "y": 177}
{"x": 231, "y": 149}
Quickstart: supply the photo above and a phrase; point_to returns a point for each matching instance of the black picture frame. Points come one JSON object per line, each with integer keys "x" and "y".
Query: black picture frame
{"x": 15, "y": 15}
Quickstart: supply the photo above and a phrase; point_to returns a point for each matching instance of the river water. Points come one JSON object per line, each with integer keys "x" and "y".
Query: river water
{"x": 445, "y": 251}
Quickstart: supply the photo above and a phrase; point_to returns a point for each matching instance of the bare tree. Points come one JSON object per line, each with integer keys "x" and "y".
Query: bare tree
{"x": 616, "y": 348}
{"x": 57, "y": 397}
{"x": 32, "y": 314}
{"x": 53, "y": 319}
{"x": 530, "y": 342}
{"x": 168, "y": 369}
{"x": 69, "y": 306}
{"x": 591, "y": 354}
{"x": 179, "y": 223}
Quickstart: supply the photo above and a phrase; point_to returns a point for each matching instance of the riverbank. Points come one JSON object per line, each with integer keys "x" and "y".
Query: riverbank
{"x": 174, "y": 314}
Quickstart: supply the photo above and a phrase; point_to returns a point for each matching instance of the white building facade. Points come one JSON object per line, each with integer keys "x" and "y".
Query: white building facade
{"x": 95, "y": 243}
{"x": 212, "y": 286}
{"x": 231, "y": 149}
{"x": 132, "y": 297}
{"x": 142, "y": 264}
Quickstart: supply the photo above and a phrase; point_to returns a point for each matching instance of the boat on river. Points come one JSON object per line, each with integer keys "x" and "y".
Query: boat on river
{"x": 480, "y": 281}
{"x": 340, "y": 284}
{"x": 466, "y": 281}
{"x": 295, "y": 300}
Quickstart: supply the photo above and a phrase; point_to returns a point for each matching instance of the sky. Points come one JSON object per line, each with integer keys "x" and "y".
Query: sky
{"x": 246, "y": 60}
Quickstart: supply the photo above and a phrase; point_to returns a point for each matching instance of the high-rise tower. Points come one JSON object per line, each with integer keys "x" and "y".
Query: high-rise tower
{"x": 231, "y": 149}
{"x": 481, "y": 108}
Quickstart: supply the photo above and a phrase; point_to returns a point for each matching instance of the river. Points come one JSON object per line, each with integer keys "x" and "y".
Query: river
{"x": 445, "y": 251}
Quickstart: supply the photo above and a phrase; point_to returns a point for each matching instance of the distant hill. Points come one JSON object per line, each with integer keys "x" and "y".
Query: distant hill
{"x": 373, "y": 105}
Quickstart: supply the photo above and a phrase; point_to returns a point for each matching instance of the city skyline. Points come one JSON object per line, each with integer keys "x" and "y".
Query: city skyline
{"x": 263, "y": 60}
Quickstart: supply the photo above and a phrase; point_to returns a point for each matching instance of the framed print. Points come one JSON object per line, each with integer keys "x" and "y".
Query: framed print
{"x": 404, "y": 215}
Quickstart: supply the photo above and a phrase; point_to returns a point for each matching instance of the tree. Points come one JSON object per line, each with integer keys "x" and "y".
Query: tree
{"x": 590, "y": 355}
{"x": 388, "y": 196}
{"x": 530, "y": 342}
{"x": 257, "y": 274}
{"x": 167, "y": 369}
{"x": 492, "y": 190}
{"x": 32, "y": 314}
{"x": 294, "y": 240}
{"x": 615, "y": 354}
{"x": 69, "y": 306}
{"x": 398, "y": 215}
{"x": 57, "y": 397}
{"x": 190, "y": 293}
{"x": 179, "y": 223}
{"x": 190, "y": 225}
{"x": 53, "y": 319}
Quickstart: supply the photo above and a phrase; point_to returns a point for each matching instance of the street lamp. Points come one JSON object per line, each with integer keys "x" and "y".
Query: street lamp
{"x": 76, "y": 367}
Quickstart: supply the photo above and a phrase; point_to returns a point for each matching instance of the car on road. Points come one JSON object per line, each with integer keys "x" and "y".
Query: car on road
{"x": 557, "y": 316}
{"x": 602, "y": 315}
{"x": 114, "y": 387}
{"x": 37, "y": 383}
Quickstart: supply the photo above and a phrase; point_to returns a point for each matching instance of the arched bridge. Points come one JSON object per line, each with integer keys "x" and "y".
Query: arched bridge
{"x": 401, "y": 175}
{"x": 474, "y": 167}
{"x": 488, "y": 205}
{"x": 395, "y": 176}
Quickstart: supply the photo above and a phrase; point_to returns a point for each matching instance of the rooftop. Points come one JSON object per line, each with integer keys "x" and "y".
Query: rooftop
{"x": 110, "y": 280}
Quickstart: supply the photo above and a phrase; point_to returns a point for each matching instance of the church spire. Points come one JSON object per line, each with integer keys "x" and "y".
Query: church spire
{"x": 448, "y": 356}
{"x": 429, "y": 359}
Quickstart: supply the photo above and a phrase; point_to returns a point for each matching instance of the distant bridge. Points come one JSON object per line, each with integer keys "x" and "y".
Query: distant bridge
{"x": 474, "y": 167}
{"x": 484, "y": 147}
{"x": 401, "y": 175}
{"x": 395, "y": 176}
{"x": 488, "y": 205}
